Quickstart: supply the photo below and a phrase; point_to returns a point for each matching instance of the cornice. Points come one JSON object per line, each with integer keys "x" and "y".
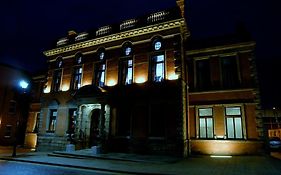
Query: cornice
{"x": 222, "y": 47}
{"x": 118, "y": 36}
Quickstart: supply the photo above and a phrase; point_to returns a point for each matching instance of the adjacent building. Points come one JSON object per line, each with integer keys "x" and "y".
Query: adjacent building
{"x": 141, "y": 86}
{"x": 14, "y": 99}
{"x": 223, "y": 96}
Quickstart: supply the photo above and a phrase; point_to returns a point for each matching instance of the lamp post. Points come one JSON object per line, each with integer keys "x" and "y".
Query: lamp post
{"x": 23, "y": 86}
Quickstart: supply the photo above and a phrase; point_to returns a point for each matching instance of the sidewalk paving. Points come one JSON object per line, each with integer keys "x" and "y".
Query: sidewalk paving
{"x": 137, "y": 164}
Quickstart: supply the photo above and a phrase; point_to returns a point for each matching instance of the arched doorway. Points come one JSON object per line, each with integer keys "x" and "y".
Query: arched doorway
{"x": 94, "y": 128}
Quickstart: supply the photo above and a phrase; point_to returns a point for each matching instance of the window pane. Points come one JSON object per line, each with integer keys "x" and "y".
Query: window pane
{"x": 209, "y": 127}
{"x": 202, "y": 128}
{"x": 230, "y": 127}
{"x": 233, "y": 111}
{"x": 160, "y": 58}
{"x": 129, "y": 77}
{"x": 205, "y": 112}
{"x": 101, "y": 83}
{"x": 238, "y": 127}
{"x": 229, "y": 72}
{"x": 203, "y": 79}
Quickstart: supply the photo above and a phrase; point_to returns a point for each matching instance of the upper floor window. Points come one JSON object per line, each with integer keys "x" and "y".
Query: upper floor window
{"x": 77, "y": 73}
{"x": 157, "y": 45}
{"x": 77, "y": 77}
{"x": 100, "y": 74}
{"x": 126, "y": 65}
{"x": 57, "y": 75}
{"x": 230, "y": 78}
{"x": 233, "y": 122}
{"x": 128, "y": 51}
{"x": 157, "y": 61}
{"x": 158, "y": 68}
{"x": 57, "y": 80}
{"x": 101, "y": 55}
{"x": 206, "y": 123}
{"x": 203, "y": 78}
{"x": 126, "y": 71}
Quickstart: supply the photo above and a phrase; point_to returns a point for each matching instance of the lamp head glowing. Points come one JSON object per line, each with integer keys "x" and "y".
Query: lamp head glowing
{"x": 23, "y": 84}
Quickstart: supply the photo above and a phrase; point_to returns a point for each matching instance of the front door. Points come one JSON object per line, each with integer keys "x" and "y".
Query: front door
{"x": 94, "y": 132}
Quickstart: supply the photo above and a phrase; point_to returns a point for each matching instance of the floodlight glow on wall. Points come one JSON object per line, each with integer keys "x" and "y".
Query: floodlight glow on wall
{"x": 111, "y": 82}
{"x": 140, "y": 79}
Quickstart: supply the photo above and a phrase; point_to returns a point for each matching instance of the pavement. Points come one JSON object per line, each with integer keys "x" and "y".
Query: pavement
{"x": 148, "y": 164}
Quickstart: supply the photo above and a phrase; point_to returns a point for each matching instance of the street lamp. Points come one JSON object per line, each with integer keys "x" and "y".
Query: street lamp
{"x": 23, "y": 85}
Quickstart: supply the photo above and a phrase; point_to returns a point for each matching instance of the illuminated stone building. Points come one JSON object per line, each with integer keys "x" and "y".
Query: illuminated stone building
{"x": 14, "y": 105}
{"x": 136, "y": 87}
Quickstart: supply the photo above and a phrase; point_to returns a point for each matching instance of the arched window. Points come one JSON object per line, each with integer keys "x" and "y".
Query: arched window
{"x": 157, "y": 66}
{"x": 100, "y": 68}
{"x": 126, "y": 65}
{"x": 57, "y": 75}
{"x": 76, "y": 81}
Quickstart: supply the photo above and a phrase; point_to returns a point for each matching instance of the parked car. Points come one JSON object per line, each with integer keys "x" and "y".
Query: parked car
{"x": 275, "y": 143}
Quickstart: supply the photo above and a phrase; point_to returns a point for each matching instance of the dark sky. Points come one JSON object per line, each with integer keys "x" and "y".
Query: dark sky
{"x": 30, "y": 27}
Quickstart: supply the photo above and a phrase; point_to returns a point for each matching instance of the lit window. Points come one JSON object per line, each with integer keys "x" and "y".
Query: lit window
{"x": 157, "y": 45}
{"x": 233, "y": 122}
{"x": 101, "y": 55}
{"x": 77, "y": 78}
{"x": 158, "y": 68}
{"x": 52, "y": 120}
{"x": 126, "y": 72}
{"x": 60, "y": 63}
{"x": 79, "y": 60}
{"x": 100, "y": 75}
{"x": 128, "y": 51}
{"x": 57, "y": 80}
{"x": 206, "y": 123}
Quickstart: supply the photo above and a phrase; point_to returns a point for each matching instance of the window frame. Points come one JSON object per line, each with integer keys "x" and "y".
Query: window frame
{"x": 10, "y": 131}
{"x": 224, "y": 84}
{"x": 196, "y": 75}
{"x": 77, "y": 75}
{"x": 12, "y": 110}
{"x": 52, "y": 117}
{"x": 234, "y": 123}
{"x": 205, "y": 117}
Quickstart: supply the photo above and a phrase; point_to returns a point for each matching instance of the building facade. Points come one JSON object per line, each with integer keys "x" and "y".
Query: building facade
{"x": 124, "y": 89}
{"x": 138, "y": 87}
{"x": 223, "y": 99}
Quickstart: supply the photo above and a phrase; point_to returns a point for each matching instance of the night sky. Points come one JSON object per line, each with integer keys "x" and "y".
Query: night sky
{"x": 30, "y": 27}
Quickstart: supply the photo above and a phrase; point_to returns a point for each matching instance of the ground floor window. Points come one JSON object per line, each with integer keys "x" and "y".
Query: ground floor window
{"x": 52, "y": 120}
{"x": 206, "y": 129}
{"x": 8, "y": 131}
{"x": 233, "y": 123}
